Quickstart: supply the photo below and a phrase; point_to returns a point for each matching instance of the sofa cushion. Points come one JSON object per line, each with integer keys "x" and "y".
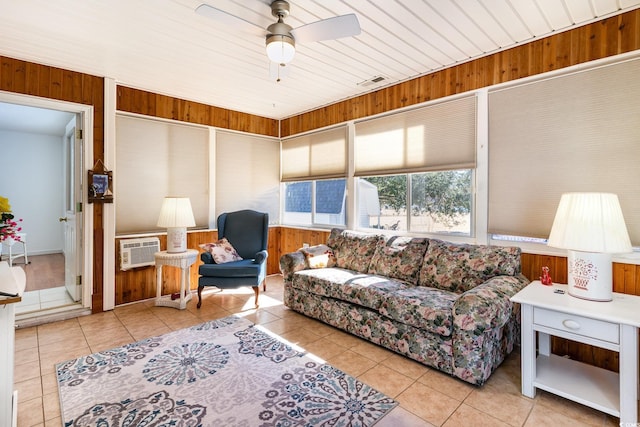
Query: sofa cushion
{"x": 425, "y": 308}
{"x": 459, "y": 267}
{"x": 346, "y": 285}
{"x": 399, "y": 258}
{"x": 353, "y": 250}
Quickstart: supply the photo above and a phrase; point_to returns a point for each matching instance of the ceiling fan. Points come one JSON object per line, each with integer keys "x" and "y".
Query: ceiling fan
{"x": 280, "y": 37}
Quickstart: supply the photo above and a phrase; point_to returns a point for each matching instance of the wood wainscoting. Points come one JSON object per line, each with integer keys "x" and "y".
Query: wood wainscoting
{"x": 140, "y": 283}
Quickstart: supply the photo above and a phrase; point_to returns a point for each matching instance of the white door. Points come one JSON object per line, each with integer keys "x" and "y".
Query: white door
{"x": 72, "y": 218}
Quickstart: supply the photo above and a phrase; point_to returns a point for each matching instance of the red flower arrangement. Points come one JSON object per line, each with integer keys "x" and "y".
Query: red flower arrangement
{"x": 9, "y": 228}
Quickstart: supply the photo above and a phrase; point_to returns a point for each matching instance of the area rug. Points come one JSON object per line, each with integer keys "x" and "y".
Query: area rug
{"x": 226, "y": 372}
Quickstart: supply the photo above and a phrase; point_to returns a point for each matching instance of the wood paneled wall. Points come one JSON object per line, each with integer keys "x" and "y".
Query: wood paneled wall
{"x": 612, "y": 36}
{"x": 155, "y": 105}
{"x": 27, "y": 78}
{"x": 598, "y": 40}
{"x": 140, "y": 283}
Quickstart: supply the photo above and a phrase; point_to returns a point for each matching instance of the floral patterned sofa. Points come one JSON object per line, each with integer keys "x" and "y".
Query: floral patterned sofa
{"x": 445, "y": 305}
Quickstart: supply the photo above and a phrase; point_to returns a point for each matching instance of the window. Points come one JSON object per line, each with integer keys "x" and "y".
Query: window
{"x": 440, "y": 202}
{"x": 437, "y": 137}
{"x": 319, "y": 202}
{"x": 319, "y": 155}
{"x": 247, "y": 174}
{"x": 415, "y": 168}
{"x": 313, "y": 171}
{"x": 158, "y": 158}
{"x": 585, "y": 140}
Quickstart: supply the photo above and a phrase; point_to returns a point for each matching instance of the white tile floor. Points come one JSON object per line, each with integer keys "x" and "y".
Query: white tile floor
{"x": 46, "y": 299}
{"x": 427, "y": 397}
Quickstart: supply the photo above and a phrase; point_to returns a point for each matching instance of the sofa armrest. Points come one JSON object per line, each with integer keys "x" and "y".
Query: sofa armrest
{"x": 292, "y": 262}
{"x": 488, "y": 305}
{"x": 260, "y": 257}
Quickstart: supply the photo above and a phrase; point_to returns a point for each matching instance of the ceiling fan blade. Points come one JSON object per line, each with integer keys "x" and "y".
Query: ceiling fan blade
{"x": 328, "y": 29}
{"x": 230, "y": 20}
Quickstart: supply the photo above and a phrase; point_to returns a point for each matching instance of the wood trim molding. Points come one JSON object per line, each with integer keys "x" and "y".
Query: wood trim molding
{"x": 166, "y": 107}
{"x": 28, "y": 78}
{"x": 608, "y": 37}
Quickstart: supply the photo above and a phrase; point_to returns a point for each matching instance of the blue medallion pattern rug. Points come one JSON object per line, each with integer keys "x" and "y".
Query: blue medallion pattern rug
{"x": 226, "y": 372}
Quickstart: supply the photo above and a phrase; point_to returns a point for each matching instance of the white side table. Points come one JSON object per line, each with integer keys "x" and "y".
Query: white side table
{"x": 613, "y": 325}
{"x": 12, "y": 281}
{"x": 182, "y": 260}
{"x": 12, "y": 255}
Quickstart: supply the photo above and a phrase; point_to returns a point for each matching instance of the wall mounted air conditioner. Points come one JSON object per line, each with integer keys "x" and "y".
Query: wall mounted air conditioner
{"x": 138, "y": 252}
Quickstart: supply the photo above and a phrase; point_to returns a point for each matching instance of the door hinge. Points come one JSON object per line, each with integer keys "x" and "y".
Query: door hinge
{"x": 78, "y": 133}
{"x": 79, "y": 207}
{"x": 78, "y": 280}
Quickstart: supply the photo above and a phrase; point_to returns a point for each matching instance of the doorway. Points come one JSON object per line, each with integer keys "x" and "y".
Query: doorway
{"x": 45, "y": 190}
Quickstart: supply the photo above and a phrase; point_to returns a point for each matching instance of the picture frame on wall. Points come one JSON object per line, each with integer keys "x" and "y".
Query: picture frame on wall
{"x": 100, "y": 184}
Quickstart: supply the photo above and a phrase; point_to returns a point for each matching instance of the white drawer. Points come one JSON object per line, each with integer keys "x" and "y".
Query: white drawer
{"x": 592, "y": 328}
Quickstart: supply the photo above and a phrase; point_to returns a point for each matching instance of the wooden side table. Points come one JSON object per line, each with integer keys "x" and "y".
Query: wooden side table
{"x": 551, "y": 311}
{"x": 182, "y": 260}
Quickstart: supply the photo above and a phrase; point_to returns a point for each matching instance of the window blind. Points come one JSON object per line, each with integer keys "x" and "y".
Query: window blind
{"x": 155, "y": 159}
{"x": 315, "y": 156}
{"x": 437, "y": 137}
{"x": 247, "y": 175}
{"x": 577, "y": 132}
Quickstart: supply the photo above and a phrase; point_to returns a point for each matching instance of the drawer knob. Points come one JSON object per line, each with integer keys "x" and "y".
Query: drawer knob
{"x": 571, "y": 324}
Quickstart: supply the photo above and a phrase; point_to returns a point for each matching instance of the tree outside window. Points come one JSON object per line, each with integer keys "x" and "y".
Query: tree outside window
{"x": 441, "y": 202}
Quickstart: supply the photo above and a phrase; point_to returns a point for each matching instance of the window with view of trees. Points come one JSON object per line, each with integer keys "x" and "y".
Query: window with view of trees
{"x": 415, "y": 169}
{"x": 440, "y": 202}
{"x": 412, "y": 171}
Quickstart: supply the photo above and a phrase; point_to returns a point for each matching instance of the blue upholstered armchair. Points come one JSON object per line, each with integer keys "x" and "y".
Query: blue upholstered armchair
{"x": 247, "y": 231}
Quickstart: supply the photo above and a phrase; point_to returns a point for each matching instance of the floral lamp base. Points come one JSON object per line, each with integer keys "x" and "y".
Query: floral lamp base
{"x": 590, "y": 275}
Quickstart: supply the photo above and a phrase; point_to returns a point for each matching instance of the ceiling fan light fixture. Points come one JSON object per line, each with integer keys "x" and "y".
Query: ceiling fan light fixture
{"x": 280, "y": 48}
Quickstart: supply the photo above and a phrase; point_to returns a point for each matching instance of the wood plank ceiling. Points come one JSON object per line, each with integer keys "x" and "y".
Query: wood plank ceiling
{"x": 165, "y": 47}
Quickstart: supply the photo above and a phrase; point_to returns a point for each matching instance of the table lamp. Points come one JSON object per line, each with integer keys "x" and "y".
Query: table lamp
{"x": 176, "y": 215}
{"x": 591, "y": 226}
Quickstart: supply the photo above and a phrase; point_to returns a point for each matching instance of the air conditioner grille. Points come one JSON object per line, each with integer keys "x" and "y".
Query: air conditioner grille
{"x": 143, "y": 254}
{"x": 138, "y": 252}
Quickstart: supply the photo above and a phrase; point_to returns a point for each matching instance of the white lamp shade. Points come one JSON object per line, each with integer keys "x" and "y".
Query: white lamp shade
{"x": 176, "y": 212}
{"x": 280, "y": 49}
{"x": 590, "y": 222}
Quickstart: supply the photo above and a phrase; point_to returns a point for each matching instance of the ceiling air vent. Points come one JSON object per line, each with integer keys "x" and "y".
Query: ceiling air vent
{"x": 372, "y": 81}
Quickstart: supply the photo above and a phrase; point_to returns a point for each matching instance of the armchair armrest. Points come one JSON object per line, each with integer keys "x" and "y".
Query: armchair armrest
{"x": 292, "y": 262}
{"x": 260, "y": 257}
{"x": 488, "y": 305}
{"x": 207, "y": 258}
